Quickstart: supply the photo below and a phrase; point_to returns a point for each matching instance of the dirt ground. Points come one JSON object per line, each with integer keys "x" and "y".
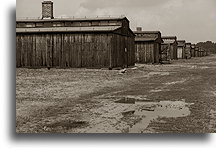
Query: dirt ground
{"x": 171, "y": 98}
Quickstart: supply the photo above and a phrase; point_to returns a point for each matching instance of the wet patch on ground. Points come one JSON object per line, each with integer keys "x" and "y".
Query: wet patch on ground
{"x": 152, "y": 111}
{"x": 128, "y": 115}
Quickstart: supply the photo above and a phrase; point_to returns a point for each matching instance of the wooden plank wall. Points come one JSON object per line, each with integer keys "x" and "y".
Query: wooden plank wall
{"x": 123, "y": 51}
{"x": 187, "y": 52}
{"x": 180, "y": 52}
{"x": 165, "y": 52}
{"x": 131, "y": 50}
{"x": 184, "y": 53}
{"x": 174, "y": 46}
{"x": 156, "y": 53}
{"x": 64, "y": 50}
{"x": 171, "y": 52}
{"x": 74, "y": 50}
{"x": 192, "y": 52}
{"x": 145, "y": 52}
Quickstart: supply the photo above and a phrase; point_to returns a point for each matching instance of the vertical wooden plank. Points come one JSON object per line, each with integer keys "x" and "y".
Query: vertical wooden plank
{"x": 63, "y": 51}
{"x": 21, "y": 51}
{"x": 33, "y": 50}
{"x": 58, "y": 49}
{"x": 24, "y": 51}
{"x": 76, "y": 60}
{"x": 36, "y": 51}
{"x": 30, "y": 51}
{"x": 28, "y": 42}
{"x": 18, "y": 50}
{"x": 54, "y": 51}
{"x": 44, "y": 50}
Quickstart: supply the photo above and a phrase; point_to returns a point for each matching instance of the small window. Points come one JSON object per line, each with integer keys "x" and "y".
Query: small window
{"x": 68, "y": 24}
{"x": 95, "y": 23}
{"x": 20, "y": 25}
{"x": 85, "y": 24}
{"x": 30, "y": 25}
{"x": 75, "y": 24}
{"x": 114, "y": 23}
{"x": 58, "y": 24}
{"x": 104, "y": 23}
{"x": 47, "y": 24}
{"x": 39, "y": 24}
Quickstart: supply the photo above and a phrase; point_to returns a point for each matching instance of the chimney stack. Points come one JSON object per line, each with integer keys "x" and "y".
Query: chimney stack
{"x": 139, "y": 28}
{"x": 47, "y": 10}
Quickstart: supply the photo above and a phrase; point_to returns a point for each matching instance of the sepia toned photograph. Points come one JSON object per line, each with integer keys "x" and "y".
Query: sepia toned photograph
{"x": 115, "y": 66}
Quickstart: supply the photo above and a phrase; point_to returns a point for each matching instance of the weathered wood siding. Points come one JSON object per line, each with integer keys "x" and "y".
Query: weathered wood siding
{"x": 192, "y": 52}
{"x": 196, "y": 52}
{"x": 63, "y": 50}
{"x": 187, "y": 53}
{"x": 157, "y": 48}
{"x": 181, "y": 52}
{"x": 123, "y": 51}
{"x": 171, "y": 50}
{"x": 174, "y": 48}
{"x": 67, "y": 50}
{"x": 165, "y": 52}
{"x": 147, "y": 52}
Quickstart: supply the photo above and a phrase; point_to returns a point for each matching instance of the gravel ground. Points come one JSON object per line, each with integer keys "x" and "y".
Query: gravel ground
{"x": 172, "y": 98}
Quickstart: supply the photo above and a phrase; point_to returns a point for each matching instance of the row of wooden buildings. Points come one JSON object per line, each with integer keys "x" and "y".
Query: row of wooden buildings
{"x": 93, "y": 43}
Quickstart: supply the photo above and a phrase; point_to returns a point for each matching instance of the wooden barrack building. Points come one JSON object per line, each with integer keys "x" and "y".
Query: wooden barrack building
{"x": 147, "y": 46}
{"x": 74, "y": 42}
{"x": 193, "y": 50}
{"x": 187, "y": 50}
{"x": 169, "y": 48}
{"x": 181, "y": 49}
{"x": 196, "y": 51}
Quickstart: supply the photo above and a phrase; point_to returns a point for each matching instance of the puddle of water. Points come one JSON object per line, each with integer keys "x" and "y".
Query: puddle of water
{"x": 128, "y": 114}
{"x": 151, "y": 111}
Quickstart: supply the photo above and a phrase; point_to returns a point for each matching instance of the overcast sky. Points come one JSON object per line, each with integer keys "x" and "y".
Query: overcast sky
{"x": 192, "y": 20}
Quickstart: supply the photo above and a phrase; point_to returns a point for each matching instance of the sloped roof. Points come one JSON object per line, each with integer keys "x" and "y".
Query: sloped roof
{"x": 169, "y": 37}
{"x": 168, "y": 41}
{"x": 181, "y": 42}
{"x": 140, "y": 39}
{"x": 147, "y": 32}
{"x": 19, "y": 20}
{"x": 69, "y": 29}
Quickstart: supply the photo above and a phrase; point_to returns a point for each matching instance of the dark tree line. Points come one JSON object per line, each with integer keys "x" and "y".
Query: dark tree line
{"x": 208, "y": 45}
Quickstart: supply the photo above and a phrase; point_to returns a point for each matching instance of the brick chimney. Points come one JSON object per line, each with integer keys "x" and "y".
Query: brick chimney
{"x": 47, "y": 10}
{"x": 139, "y": 28}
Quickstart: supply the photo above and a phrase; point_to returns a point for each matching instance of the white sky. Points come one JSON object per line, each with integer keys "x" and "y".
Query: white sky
{"x": 192, "y": 20}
